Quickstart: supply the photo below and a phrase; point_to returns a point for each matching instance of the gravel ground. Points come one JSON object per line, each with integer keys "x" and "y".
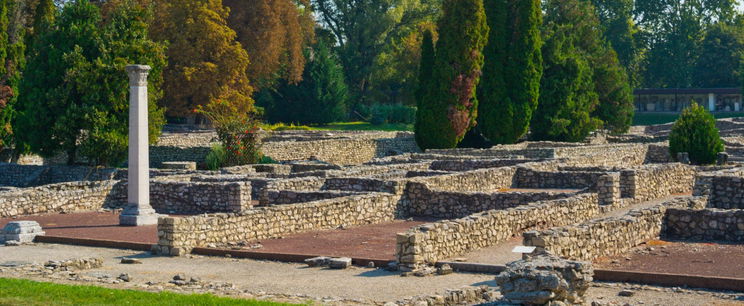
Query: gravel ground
{"x": 294, "y": 282}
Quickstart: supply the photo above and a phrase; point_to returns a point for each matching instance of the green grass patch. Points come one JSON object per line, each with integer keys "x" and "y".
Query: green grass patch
{"x": 341, "y": 126}
{"x": 661, "y": 118}
{"x": 25, "y": 292}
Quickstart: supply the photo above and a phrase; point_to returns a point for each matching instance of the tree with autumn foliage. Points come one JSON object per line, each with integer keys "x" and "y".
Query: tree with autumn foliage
{"x": 448, "y": 106}
{"x": 274, "y": 33}
{"x": 205, "y": 61}
{"x": 12, "y": 61}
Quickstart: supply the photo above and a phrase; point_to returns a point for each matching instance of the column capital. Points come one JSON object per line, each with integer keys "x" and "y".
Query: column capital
{"x": 138, "y": 74}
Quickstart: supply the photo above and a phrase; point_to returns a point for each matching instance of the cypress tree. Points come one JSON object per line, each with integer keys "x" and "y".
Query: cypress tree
{"x": 451, "y": 103}
{"x": 567, "y": 91}
{"x": 512, "y": 70}
{"x": 424, "y": 80}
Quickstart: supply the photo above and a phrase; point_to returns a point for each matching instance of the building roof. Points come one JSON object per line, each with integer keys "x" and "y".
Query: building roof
{"x": 687, "y": 91}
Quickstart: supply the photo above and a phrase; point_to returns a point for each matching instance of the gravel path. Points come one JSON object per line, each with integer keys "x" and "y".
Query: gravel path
{"x": 295, "y": 282}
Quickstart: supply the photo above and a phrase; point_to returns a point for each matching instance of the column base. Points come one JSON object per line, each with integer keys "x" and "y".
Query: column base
{"x": 133, "y": 216}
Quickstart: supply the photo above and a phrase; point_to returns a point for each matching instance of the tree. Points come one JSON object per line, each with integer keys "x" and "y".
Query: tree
{"x": 512, "y": 70}
{"x": 365, "y": 28}
{"x": 75, "y": 90}
{"x": 675, "y": 29}
{"x": 567, "y": 93}
{"x": 611, "y": 83}
{"x": 695, "y": 132}
{"x": 274, "y": 33}
{"x": 720, "y": 62}
{"x": 319, "y": 98}
{"x": 12, "y": 61}
{"x": 622, "y": 33}
{"x": 450, "y": 104}
{"x": 205, "y": 62}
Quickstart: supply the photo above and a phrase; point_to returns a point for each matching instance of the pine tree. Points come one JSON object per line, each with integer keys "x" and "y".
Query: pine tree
{"x": 205, "y": 62}
{"x": 319, "y": 98}
{"x": 43, "y": 17}
{"x": 75, "y": 89}
{"x": 567, "y": 91}
{"x": 450, "y": 102}
{"x": 512, "y": 70}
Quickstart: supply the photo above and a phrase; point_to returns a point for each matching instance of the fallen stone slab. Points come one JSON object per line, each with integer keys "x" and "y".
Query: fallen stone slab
{"x": 318, "y": 261}
{"x": 131, "y": 261}
{"x": 340, "y": 263}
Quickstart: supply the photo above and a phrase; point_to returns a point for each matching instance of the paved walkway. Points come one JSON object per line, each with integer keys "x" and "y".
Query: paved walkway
{"x": 93, "y": 225}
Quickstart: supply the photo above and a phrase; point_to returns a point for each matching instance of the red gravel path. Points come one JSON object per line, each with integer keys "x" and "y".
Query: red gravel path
{"x": 702, "y": 259}
{"x": 94, "y": 225}
{"x": 370, "y": 241}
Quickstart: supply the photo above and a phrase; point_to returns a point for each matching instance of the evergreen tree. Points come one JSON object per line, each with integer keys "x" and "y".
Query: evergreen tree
{"x": 451, "y": 103}
{"x": 3, "y": 39}
{"x": 512, "y": 70}
{"x": 319, "y": 98}
{"x": 695, "y": 132}
{"x": 74, "y": 92}
{"x": 12, "y": 47}
{"x": 720, "y": 63}
{"x": 43, "y": 17}
{"x": 611, "y": 83}
{"x": 567, "y": 93}
{"x": 426, "y": 68}
{"x": 205, "y": 62}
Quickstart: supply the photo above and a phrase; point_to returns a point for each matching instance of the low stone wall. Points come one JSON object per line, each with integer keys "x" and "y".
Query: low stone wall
{"x": 528, "y": 178}
{"x": 177, "y": 236}
{"x": 481, "y": 180}
{"x": 467, "y": 165}
{"x": 705, "y": 225}
{"x": 425, "y": 202}
{"x": 15, "y": 175}
{"x": 58, "y": 198}
{"x": 727, "y": 192}
{"x": 293, "y": 197}
{"x": 174, "y": 197}
{"x": 656, "y": 181}
{"x": 361, "y": 185}
{"x": 429, "y": 243}
{"x": 608, "y": 236}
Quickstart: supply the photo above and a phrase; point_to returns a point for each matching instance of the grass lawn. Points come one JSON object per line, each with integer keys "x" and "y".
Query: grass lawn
{"x": 661, "y": 118}
{"x": 24, "y": 292}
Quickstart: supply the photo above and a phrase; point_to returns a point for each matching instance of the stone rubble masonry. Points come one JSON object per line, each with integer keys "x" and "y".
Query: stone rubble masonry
{"x": 429, "y": 243}
{"x": 727, "y": 192}
{"x": 178, "y": 165}
{"x": 608, "y": 188}
{"x": 607, "y": 236}
{"x": 15, "y": 175}
{"x": 174, "y": 197}
{"x": 280, "y": 197}
{"x": 58, "y": 198}
{"x": 529, "y": 178}
{"x": 544, "y": 280}
{"x": 425, "y": 202}
{"x": 179, "y": 235}
{"x": 722, "y": 225}
{"x": 481, "y": 180}
{"x": 657, "y": 180}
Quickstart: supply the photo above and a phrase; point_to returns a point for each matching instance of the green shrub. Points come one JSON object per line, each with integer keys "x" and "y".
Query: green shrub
{"x": 695, "y": 132}
{"x": 216, "y": 157}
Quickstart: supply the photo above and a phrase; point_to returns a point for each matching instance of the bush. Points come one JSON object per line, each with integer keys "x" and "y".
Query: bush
{"x": 216, "y": 157}
{"x": 237, "y": 132}
{"x": 695, "y": 132}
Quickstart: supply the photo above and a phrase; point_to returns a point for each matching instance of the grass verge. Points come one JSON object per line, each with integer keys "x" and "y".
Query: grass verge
{"x": 25, "y": 292}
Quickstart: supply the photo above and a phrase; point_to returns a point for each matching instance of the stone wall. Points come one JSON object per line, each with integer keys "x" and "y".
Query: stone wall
{"x": 656, "y": 181}
{"x": 727, "y": 192}
{"x": 529, "y": 178}
{"x": 175, "y": 197}
{"x": 293, "y": 197}
{"x": 15, "y": 175}
{"x": 607, "y": 236}
{"x": 473, "y": 164}
{"x": 425, "y": 202}
{"x": 58, "y": 198}
{"x": 481, "y": 180}
{"x": 177, "y": 236}
{"x": 429, "y": 243}
{"x": 723, "y": 225}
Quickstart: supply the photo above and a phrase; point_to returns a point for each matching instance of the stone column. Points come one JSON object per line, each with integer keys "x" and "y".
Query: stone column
{"x": 712, "y": 102}
{"x": 138, "y": 210}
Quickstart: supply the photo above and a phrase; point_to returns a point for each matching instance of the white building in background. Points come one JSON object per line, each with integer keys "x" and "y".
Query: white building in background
{"x": 674, "y": 100}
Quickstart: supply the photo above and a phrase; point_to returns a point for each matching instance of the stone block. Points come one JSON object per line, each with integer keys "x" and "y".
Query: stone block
{"x": 545, "y": 279}
{"x": 21, "y": 231}
{"x": 340, "y": 263}
{"x": 318, "y": 261}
